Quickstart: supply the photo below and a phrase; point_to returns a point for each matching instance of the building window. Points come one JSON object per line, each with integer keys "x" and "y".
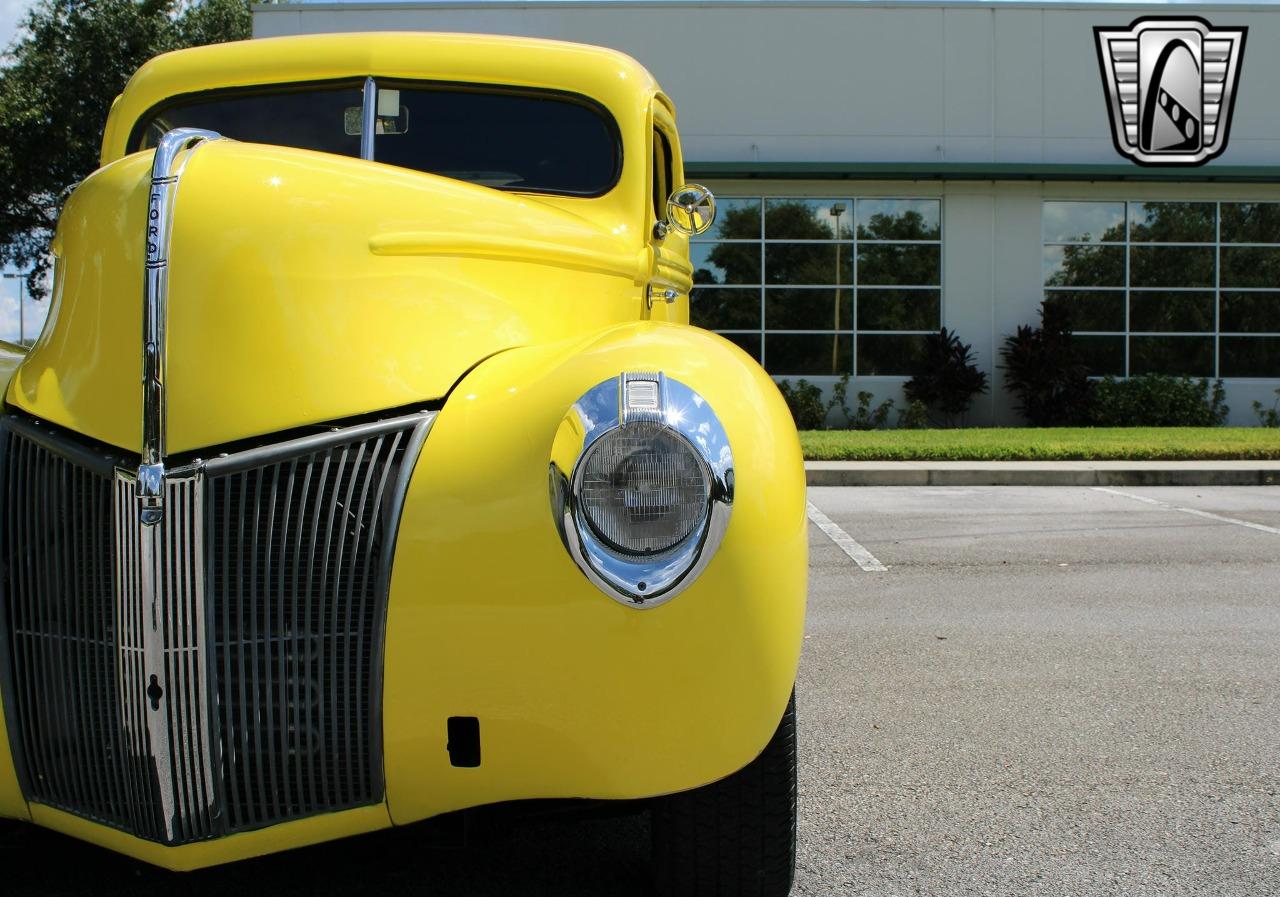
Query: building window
{"x": 1183, "y": 288}
{"x": 815, "y": 287}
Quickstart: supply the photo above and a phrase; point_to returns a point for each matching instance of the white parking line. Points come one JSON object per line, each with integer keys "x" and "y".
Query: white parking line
{"x": 847, "y": 543}
{"x": 1198, "y": 513}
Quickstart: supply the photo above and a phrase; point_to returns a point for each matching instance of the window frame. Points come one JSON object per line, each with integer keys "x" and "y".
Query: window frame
{"x": 854, "y": 242}
{"x": 1127, "y": 291}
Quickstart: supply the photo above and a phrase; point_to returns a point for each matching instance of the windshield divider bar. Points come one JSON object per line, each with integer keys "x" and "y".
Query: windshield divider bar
{"x": 369, "y": 119}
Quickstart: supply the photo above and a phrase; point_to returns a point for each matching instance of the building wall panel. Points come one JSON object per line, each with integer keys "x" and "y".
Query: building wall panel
{"x": 856, "y": 81}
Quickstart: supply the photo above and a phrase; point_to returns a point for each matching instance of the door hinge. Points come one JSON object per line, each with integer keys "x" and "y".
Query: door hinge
{"x": 656, "y": 294}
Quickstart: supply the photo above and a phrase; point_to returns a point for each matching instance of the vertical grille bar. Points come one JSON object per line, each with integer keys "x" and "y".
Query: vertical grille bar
{"x": 327, "y": 722}
{"x": 137, "y": 761}
{"x": 267, "y": 711}
{"x": 217, "y": 670}
{"x": 288, "y": 794}
{"x": 351, "y": 670}
{"x": 184, "y": 644}
{"x": 292, "y": 744}
{"x": 309, "y": 680}
{"x": 369, "y": 584}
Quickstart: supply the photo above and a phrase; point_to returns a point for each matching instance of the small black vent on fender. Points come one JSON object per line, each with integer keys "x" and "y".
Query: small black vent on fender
{"x": 464, "y": 741}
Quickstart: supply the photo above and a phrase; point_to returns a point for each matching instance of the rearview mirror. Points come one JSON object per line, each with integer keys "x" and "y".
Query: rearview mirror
{"x": 391, "y": 118}
{"x": 691, "y": 210}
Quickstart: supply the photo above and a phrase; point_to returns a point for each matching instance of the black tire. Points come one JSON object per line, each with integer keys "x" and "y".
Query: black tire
{"x": 735, "y": 837}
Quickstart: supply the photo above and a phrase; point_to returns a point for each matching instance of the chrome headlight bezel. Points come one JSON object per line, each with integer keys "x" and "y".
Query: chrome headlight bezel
{"x": 610, "y": 407}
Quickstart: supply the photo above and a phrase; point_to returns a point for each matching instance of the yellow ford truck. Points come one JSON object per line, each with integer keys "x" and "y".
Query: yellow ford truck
{"x": 368, "y": 470}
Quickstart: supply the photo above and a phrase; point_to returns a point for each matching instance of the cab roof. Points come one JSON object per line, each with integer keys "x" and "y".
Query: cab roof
{"x": 613, "y": 79}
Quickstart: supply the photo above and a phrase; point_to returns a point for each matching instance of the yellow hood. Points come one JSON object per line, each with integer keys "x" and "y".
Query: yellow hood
{"x": 304, "y": 288}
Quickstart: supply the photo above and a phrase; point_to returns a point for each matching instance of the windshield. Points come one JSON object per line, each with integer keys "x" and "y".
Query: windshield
{"x": 526, "y": 141}
{"x": 303, "y": 118}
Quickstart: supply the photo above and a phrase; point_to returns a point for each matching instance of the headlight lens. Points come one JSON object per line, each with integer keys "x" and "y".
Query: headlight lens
{"x": 641, "y": 486}
{"x": 644, "y": 489}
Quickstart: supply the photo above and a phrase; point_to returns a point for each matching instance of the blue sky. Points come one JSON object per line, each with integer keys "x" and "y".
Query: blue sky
{"x": 11, "y": 12}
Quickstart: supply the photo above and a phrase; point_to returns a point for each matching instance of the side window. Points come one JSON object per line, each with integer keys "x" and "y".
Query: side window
{"x": 662, "y": 175}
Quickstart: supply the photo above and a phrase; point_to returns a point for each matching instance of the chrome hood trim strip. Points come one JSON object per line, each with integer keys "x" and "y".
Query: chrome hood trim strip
{"x": 166, "y": 172}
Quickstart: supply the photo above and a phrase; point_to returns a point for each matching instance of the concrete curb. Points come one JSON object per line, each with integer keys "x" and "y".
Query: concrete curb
{"x": 1038, "y": 473}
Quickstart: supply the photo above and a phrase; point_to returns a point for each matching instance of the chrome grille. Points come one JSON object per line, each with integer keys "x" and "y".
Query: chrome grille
{"x": 218, "y": 671}
{"x": 295, "y": 576}
{"x": 60, "y": 615}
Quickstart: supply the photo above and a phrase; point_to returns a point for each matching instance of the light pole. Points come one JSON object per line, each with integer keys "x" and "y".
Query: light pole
{"x": 21, "y": 278}
{"x": 837, "y": 209}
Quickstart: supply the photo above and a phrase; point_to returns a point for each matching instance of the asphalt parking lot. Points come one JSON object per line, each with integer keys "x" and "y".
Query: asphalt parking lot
{"x": 1061, "y": 691}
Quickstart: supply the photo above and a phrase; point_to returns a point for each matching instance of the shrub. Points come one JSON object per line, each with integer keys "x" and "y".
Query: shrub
{"x": 839, "y": 400}
{"x": 864, "y": 417}
{"x": 914, "y": 417}
{"x": 1045, "y": 371}
{"x": 1155, "y": 400}
{"x": 1268, "y": 417}
{"x": 868, "y": 418}
{"x": 805, "y": 401}
{"x": 945, "y": 377}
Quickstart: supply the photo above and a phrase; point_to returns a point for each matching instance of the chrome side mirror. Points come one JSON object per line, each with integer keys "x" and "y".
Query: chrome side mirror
{"x": 691, "y": 210}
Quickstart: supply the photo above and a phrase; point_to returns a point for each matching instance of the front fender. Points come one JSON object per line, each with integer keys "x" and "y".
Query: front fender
{"x": 12, "y": 803}
{"x": 577, "y": 695}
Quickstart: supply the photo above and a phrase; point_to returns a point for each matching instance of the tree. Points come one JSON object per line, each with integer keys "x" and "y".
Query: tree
{"x": 71, "y": 60}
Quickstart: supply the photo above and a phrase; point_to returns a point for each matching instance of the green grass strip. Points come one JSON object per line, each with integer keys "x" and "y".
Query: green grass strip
{"x": 1053, "y": 444}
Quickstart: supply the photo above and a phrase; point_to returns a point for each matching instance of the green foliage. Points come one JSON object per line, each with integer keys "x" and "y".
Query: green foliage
{"x": 70, "y": 61}
{"x": 1156, "y": 400}
{"x": 1061, "y": 444}
{"x": 914, "y": 417}
{"x": 212, "y": 22}
{"x": 1268, "y": 417}
{"x": 868, "y": 418}
{"x": 1045, "y": 371}
{"x": 805, "y": 401}
{"x": 864, "y": 417}
{"x": 944, "y": 377}
{"x": 839, "y": 400}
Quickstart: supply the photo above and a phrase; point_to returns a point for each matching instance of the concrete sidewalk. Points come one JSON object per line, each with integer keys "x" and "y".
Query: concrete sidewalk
{"x": 1042, "y": 473}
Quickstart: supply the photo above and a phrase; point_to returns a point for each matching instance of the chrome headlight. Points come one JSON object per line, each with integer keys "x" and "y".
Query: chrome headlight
{"x": 642, "y": 485}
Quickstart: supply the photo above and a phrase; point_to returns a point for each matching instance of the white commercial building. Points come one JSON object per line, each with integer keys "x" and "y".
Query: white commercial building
{"x": 887, "y": 168}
